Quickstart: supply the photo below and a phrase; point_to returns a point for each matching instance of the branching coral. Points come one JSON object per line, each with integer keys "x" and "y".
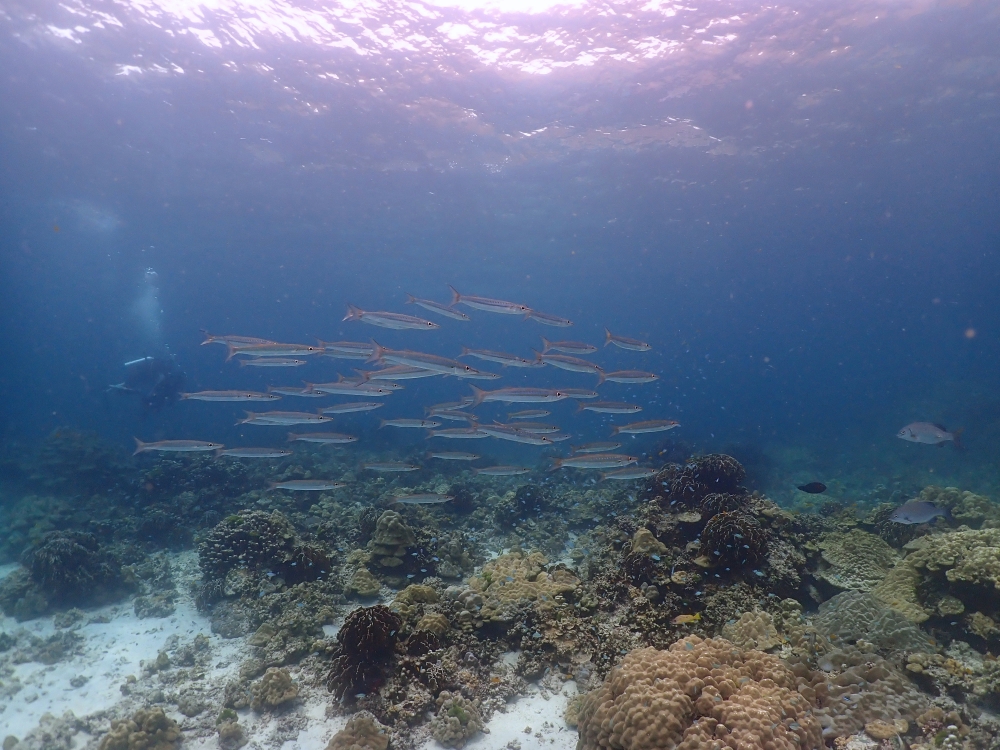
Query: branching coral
{"x": 706, "y": 475}
{"x": 733, "y": 538}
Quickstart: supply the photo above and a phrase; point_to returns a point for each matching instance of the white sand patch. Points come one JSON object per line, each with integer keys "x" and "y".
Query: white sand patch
{"x": 535, "y": 721}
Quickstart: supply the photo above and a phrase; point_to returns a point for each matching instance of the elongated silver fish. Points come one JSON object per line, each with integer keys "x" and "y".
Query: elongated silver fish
{"x": 455, "y": 416}
{"x": 488, "y": 304}
{"x": 437, "y": 307}
{"x": 394, "y": 321}
{"x": 502, "y": 471}
{"x": 291, "y": 390}
{"x": 624, "y": 342}
{"x": 630, "y": 473}
{"x": 610, "y": 407}
{"x": 283, "y": 418}
{"x": 428, "y": 424}
{"x": 230, "y": 396}
{"x": 567, "y": 347}
{"x": 235, "y": 340}
{"x": 175, "y": 446}
{"x": 502, "y": 358}
{"x": 348, "y": 347}
{"x": 454, "y": 456}
{"x": 339, "y": 354}
{"x": 578, "y": 393}
{"x": 570, "y": 364}
{"x": 528, "y": 414}
{"x": 323, "y": 438}
{"x": 271, "y": 362}
{"x": 459, "y": 433}
{"x": 549, "y": 320}
{"x": 398, "y": 372}
{"x": 351, "y": 407}
{"x": 517, "y": 395}
{"x": 351, "y": 388}
{"x": 652, "y": 425}
{"x": 428, "y": 498}
{"x": 538, "y": 428}
{"x": 389, "y": 466}
{"x": 423, "y": 361}
{"x": 627, "y": 376}
{"x": 600, "y": 447}
{"x": 306, "y": 485}
{"x": 252, "y": 452}
{"x": 273, "y": 350}
{"x": 594, "y": 461}
{"x": 449, "y": 405}
{"x": 503, "y": 432}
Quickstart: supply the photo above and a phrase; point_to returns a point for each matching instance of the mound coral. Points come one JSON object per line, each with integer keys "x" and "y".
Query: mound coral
{"x": 855, "y": 560}
{"x": 962, "y": 564}
{"x": 753, "y": 630}
{"x": 698, "y": 694}
{"x": 390, "y": 539}
{"x": 362, "y": 732}
{"x": 733, "y": 538}
{"x": 706, "y": 475}
{"x": 516, "y": 579}
{"x": 148, "y": 729}
{"x": 456, "y": 720}
{"x": 855, "y": 615}
{"x": 365, "y": 643}
{"x": 275, "y": 687}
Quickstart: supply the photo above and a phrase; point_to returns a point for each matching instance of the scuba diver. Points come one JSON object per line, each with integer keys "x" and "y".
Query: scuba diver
{"x": 157, "y": 381}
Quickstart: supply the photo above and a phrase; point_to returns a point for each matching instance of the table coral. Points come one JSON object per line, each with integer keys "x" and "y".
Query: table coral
{"x": 855, "y": 559}
{"x": 698, "y": 694}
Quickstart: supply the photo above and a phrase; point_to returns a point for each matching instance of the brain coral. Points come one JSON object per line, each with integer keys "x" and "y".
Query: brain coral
{"x": 964, "y": 564}
{"x": 857, "y": 615}
{"x": 698, "y": 694}
{"x": 514, "y": 579}
{"x": 855, "y": 559}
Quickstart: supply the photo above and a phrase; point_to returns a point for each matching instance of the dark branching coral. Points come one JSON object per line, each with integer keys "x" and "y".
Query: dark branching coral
{"x": 366, "y": 642}
{"x": 367, "y": 521}
{"x": 530, "y": 500}
{"x": 256, "y": 541}
{"x": 422, "y": 642}
{"x": 705, "y": 475}
{"x": 733, "y": 538}
{"x": 722, "y": 502}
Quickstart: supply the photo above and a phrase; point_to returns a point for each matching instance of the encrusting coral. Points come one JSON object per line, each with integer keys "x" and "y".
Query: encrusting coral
{"x": 855, "y": 559}
{"x": 698, "y": 694}
{"x": 274, "y": 688}
{"x": 148, "y": 729}
{"x": 456, "y": 721}
{"x": 856, "y": 615}
{"x": 516, "y": 579}
{"x": 362, "y": 732}
{"x": 754, "y": 630}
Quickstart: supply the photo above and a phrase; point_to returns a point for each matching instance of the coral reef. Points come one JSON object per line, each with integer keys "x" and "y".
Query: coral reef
{"x": 365, "y": 643}
{"x": 733, "y": 538}
{"x": 516, "y": 579}
{"x": 853, "y": 616}
{"x": 715, "y": 473}
{"x": 855, "y": 559}
{"x": 696, "y": 692}
{"x": 148, "y": 729}
{"x": 456, "y": 721}
{"x": 754, "y": 630}
{"x": 362, "y": 732}
{"x": 390, "y": 540}
{"x": 274, "y": 688}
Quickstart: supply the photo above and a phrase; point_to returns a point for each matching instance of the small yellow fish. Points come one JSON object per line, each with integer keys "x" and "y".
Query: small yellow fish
{"x": 686, "y": 619}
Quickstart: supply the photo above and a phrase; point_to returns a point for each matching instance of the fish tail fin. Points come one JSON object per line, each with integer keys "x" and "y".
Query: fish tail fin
{"x": 291, "y": 437}
{"x": 546, "y": 345}
{"x": 579, "y": 407}
{"x": 956, "y": 437}
{"x": 538, "y": 357}
{"x": 607, "y": 336}
{"x": 365, "y": 374}
{"x": 604, "y": 477}
{"x": 232, "y": 351}
{"x": 410, "y": 299}
{"x": 556, "y": 464}
{"x": 185, "y": 396}
{"x": 272, "y": 485}
{"x": 600, "y": 377}
{"x": 218, "y": 452}
{"x": 243, "y": 362}
{"x": 139, "y": 446}
{"x": 478, "y": 394}
{"x": 377, "y": 352}
{"x": 209, "y": 338}
{"x": 615, "y": 430}
{"x": 321, "y": 343}
{"x": 353, "y": 313}
{"x": 465, "y": 351}
{"x": 455, "y": 296}
{"x": 381, "y": 423}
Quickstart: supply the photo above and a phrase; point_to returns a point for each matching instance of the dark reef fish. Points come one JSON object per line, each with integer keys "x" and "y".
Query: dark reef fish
{"x": 918, "y": 511}
{"x": 813, "y": 488}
